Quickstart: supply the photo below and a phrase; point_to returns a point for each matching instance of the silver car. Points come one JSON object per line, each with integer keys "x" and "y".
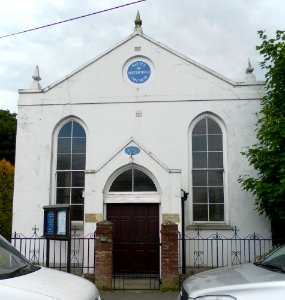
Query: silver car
{"x": 21, "y": 280}
{"x": 264, "y": 280}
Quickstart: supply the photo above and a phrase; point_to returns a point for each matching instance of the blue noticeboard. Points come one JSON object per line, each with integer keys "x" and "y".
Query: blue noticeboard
{"x": 49, "y": 224}
{"x": 139, "y": 72}
{"x": 57, "y": 221}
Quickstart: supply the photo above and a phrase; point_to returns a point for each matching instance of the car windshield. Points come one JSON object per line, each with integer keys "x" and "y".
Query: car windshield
{"x": 12, "y": 263}
{"x": 275, "y": 261}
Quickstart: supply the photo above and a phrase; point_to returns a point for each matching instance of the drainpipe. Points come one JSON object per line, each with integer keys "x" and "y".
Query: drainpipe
{"x": 184, "y": 196}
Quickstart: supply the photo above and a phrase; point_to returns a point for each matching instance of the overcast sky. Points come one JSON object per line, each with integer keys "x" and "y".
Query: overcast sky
{"x": 220, "y": 34}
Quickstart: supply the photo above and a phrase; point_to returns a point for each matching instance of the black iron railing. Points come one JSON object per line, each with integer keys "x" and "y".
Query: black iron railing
{"x": 136, "y": 265}
{"x": 82, "y": 251}
{"x": 217, "y": 250}
{"x": 201, "y": 251}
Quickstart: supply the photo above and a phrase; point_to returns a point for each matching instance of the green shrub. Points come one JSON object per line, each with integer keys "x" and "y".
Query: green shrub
{"x": 6, "y": 198}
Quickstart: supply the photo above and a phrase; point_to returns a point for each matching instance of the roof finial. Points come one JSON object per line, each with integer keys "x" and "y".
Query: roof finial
{"x": 249, "y": 72}
{"x": 249, "y": 68}
{"x": 138, "y": 23}
{"x": 36, "y": 83}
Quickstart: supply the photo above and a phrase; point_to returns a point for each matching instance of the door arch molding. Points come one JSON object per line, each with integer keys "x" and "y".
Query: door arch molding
{"x": 131, "y": 196}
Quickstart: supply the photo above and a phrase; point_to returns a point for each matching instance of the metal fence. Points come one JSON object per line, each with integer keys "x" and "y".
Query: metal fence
{"x": 82, "y": 253}
{"x": 201, "y": 251}
{"x": 136, "y": 265}
{"x": 217, "y": 250}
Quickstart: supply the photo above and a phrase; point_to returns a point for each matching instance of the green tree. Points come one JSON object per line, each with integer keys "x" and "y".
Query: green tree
{"x": 267, "y": 156}
{"x": 6, "y": 197}
{"x": 8, "y": 124}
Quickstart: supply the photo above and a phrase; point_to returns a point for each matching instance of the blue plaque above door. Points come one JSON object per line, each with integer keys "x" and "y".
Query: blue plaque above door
{"x": 138, "y": 72}
{"x": 132, "y": 150}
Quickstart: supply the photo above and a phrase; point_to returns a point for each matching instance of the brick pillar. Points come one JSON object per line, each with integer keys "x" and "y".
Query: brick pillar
{"x": 169, "y": 256}
{"x": 104, "y": 255}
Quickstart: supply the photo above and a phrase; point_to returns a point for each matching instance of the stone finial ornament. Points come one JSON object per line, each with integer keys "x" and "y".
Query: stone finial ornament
{"x": 249, "y": 72}
{"x": 138, "y": 23}
{"x": 37, "y": 78}
{"x": 249, "y": 68}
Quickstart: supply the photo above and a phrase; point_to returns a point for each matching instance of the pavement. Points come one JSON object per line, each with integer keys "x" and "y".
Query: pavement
{"x": 138, "y": 295}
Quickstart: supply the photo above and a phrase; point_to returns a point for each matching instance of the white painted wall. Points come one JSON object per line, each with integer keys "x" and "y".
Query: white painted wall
{"x": 99, "y": 95}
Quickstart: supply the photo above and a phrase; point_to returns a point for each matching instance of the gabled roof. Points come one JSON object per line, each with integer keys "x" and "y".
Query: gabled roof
{"x": 151, "y": 40}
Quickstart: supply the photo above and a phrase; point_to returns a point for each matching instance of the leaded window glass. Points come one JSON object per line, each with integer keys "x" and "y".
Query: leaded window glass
{"x": 207, "y": 171}
{"x": 70, "y": 176}
{"x": 133, "y": 180}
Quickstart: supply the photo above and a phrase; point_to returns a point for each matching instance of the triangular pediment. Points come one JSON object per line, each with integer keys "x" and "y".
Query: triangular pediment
{"x": 173, "y": 77}
{"x": 131, "y": 151}
{"x": 151, "y": 41}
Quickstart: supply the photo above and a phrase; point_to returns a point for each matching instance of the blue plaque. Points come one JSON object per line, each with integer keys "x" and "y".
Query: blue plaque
{"x": 139, "y": 72}
{"x": 49, "y": 230}
{"x": 132, "y": 150}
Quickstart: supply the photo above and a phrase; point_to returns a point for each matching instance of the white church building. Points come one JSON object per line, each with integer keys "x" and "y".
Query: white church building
{"x": 122, "y": 135}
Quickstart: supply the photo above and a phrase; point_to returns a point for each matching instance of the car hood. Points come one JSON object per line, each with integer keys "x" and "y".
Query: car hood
{"x": 53, "y": 284}
{"x": 226, "y": 279}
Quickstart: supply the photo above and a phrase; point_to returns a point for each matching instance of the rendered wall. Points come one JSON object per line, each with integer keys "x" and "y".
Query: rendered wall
{"x": 99, "y": 95}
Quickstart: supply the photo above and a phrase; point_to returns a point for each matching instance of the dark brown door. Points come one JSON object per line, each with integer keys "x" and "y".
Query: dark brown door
{"x": 136, "y": 237}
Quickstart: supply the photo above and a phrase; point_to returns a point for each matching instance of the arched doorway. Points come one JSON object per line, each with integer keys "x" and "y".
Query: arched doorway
{"x": 133, "y": 208}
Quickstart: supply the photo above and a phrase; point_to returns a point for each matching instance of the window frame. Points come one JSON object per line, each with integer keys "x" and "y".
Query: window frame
{"x": 225, "y": 172}
{"x": 133, "y": 182}
{"x": 131, "y": 197}
{"x": 54, "y": 188}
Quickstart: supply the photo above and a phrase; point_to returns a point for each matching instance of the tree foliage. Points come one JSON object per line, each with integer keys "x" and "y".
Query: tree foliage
{"x": 267, "y": 156}
{"x": 8, "y": 124}
{"x": 6, "y": 197}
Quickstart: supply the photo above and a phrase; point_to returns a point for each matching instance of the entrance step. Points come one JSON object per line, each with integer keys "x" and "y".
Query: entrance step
{"x": 129, "y": 283}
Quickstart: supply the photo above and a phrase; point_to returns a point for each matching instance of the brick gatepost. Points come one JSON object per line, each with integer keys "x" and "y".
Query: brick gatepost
{"x": 104, "y": 255}
{"x": 169, "y": 256}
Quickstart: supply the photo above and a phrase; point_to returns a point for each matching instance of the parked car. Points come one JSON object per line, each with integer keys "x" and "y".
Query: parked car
{"x": 20, "y": 279}
{"x": 256, "y": 281}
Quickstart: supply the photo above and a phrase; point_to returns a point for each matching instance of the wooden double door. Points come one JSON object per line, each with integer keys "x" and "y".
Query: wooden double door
{"x": 136, "y": 238}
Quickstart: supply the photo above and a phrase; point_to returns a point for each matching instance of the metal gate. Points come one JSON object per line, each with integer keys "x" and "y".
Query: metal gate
{"x": 136, "y": 246}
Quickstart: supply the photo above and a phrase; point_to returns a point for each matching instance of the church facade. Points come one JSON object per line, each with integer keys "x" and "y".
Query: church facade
{"x": 120, "y": 137}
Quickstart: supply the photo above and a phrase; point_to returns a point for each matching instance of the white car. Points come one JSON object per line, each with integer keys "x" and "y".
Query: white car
{"x": 264, "y": 280}
{"x": 19, "y": 279}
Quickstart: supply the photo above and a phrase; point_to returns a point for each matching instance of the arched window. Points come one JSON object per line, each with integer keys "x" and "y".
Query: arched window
{"x": 70, "y": 176}
{"x": 133, "y": 180}
{"x": 207, "y": 171}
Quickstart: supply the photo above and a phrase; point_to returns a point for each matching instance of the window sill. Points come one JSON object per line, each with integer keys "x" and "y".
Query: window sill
{"x": 210, "y": 227}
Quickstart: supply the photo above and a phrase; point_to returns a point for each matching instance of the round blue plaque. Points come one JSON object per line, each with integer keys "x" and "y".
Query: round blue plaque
{"x": 139, "y": 72}
{"x": 132, "y": 150}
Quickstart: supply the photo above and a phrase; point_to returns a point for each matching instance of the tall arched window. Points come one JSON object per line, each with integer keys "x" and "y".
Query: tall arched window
{"x": 70, "y": 176}
{"x": 207, "y": 171}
